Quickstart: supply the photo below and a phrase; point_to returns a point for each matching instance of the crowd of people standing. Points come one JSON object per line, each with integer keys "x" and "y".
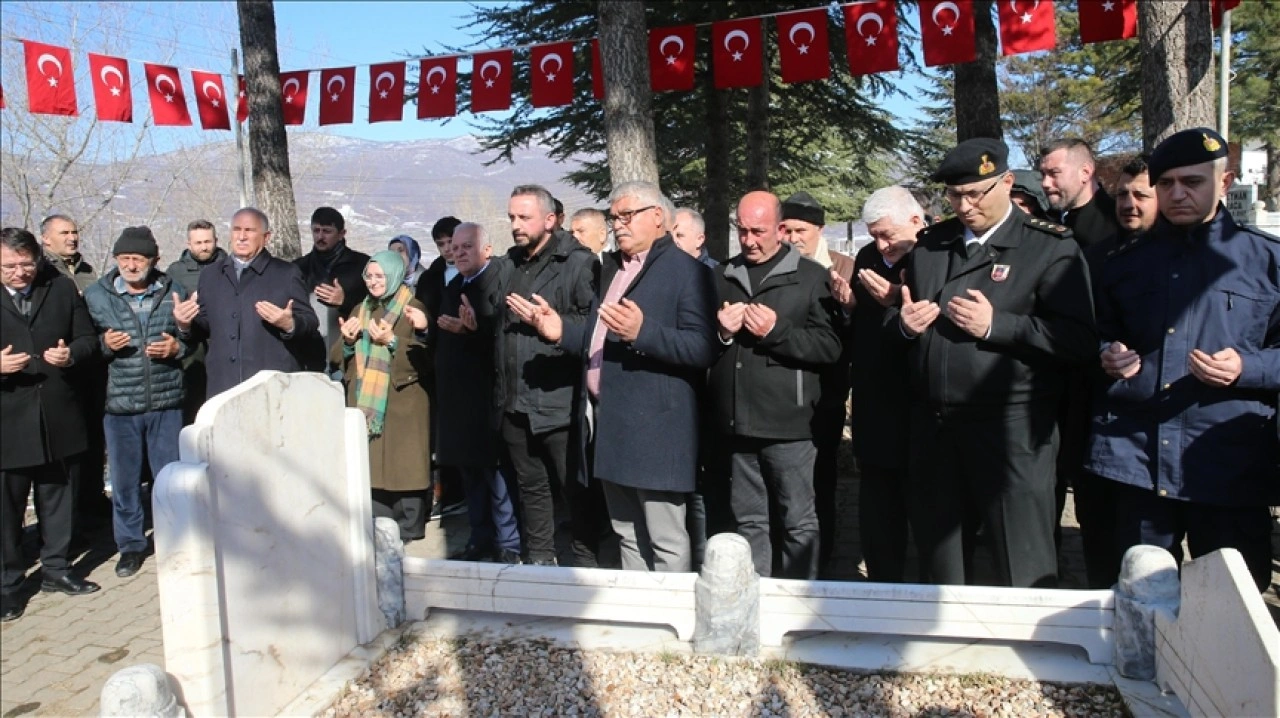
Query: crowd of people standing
{"x": 1048, "y": 335}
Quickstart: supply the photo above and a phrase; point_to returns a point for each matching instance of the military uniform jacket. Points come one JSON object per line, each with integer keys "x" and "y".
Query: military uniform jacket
{"x": 1164, "y": 294}
{"x": 1042, "y": 315}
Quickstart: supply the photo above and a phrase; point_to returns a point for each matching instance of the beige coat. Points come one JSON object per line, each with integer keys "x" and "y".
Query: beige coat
{"x": 399, "y": 459}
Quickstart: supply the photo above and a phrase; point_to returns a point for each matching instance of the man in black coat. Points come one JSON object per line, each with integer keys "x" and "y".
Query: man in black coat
{"x": 333, "y": 274}
{"x": 996, "y": 310}
{"x": 251, "y": 307}
{"x": 202, "y": 252}
{"x": 878, "y": 376}
{"x": 778, "y": 330}
{"x": 644, "y": 350}
{"x": 466, "y": 438}
{"x": 46, "y": 330}
{"x": 536, "y": 377}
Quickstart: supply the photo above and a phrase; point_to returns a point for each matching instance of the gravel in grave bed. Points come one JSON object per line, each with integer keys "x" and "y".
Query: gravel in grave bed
{"x": 484, "y": 676}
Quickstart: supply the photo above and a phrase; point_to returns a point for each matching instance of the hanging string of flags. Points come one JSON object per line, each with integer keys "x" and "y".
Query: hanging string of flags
{"x": 870, "y": 30}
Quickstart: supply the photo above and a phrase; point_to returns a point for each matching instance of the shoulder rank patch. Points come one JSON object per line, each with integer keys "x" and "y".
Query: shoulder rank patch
{"x": 1126, "y": 245}
{"x": 1048, "y": 227}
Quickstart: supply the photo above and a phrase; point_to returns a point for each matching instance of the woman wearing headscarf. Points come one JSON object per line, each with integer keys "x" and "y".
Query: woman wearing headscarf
{"x": 408, "y": 249}
{"x": 383, "y": 354}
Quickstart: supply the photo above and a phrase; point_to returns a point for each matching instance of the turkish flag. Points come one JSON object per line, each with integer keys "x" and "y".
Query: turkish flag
{"x": 737, "y": 48}
{"x": 242, "y": 100}
{"x": 871, "y": 37}
{"x": 2, "y": 105}
{"x": 338, "y": 96}
{"x": 111, "y": 93}
{"x": 1217, "y": 7}
{"x": 491, "y": 81}
{"x": 211, "y": 101}
{"x": 51, "y": 85}
{"x": 1026, "y": 26}
{"x": 386, "y": 92}
{"x": 946, "y": 26}
{"x": 597, "y": 71}
{"x": 438, "y": 88}
{"x": 293, "y": 96}
{"x": 168, "y": 103}
{"x": 802, "y": 45}
{"x": 1103, "y": 20}
{"x": 551, "y": 71}
{"x": 671, "y": 58}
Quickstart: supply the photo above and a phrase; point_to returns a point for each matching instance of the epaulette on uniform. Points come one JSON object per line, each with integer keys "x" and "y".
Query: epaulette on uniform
{"x": 1126, "y": 245}
{"x": 1057, "y": 230}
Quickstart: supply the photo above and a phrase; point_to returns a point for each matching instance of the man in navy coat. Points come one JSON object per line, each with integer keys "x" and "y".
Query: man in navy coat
{"x": 646, "y": 345}
{"x": 253, "y": 308}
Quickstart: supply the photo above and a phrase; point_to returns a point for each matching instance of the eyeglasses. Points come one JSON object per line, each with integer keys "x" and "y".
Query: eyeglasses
{"x": 374, "y": 277}
{"x": 19, "y": 267}
{"x": 626, "y": 215}
{"x": 974, "y": 196}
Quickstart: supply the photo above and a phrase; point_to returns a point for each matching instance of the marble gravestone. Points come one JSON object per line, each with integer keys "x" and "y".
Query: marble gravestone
{"x": 264, "y": 545}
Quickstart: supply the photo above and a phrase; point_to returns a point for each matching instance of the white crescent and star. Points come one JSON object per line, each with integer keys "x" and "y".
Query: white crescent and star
{"x": 497, "y": 72}
{"x": 173, "y": 87}
{"x": 342, "y": 87}
{"x": 662, "y": 48}
{"x": 297, "y": 86}
{"x": 377, "y": 83}
{"x": 551, "y": 76}
{"x": 802, "y": 48}
{"x": 46, "y": 57}
{"x": 1108, "y": 6}
{"x": 1026, "y": 16}
{"x": 732, "y": 35}
{"x": 955, "y": 11}
{"x": 211, "y": 85}
{"x": 435, "y": 86}
{"x": 871, "y": 39}
{"x": 107, "y": 71}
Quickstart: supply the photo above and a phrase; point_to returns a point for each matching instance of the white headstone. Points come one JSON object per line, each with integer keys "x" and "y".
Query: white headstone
{"x": 264, "y": 544}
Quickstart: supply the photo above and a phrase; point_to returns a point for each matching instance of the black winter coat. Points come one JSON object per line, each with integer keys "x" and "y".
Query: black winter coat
{"x": 186, "y": 271}
{"x": 240, "y": 343}
{"x": 769, "y": 388}
{"x": 41, "y": 417}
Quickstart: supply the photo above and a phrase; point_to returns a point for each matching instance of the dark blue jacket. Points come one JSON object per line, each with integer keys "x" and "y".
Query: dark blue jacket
{"x": 240, "y": 343}
{"x": 1164, "y": 294}
{"x": 646, "y": 420}
{"x": 136, "y": 383}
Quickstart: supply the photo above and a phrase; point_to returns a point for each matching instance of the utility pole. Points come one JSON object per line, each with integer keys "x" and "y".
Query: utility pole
{"x": 1224, "y": 77}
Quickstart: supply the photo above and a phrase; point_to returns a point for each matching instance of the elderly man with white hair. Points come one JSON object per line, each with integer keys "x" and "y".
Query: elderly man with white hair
{"x": 879, "y": 381}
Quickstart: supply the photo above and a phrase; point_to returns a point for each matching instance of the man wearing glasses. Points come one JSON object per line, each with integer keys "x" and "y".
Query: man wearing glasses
{"x": 996, "y": 308}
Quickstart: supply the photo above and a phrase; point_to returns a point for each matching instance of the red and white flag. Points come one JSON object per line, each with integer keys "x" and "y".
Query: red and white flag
{"x": 802, "y": 46}
{"x": 1026, "y": 26}
{"x": 671, "y": 58}
{"x": 293, "y": 96}
{"x": 2, "y": 105}
{"x": 386, "y": 92}
{"x": 51, "y": 85}
{"x": 491, "y": 81}
{"x": 551, "y": 71}
{"x": 211, "y": 100}
{"x": 168, "y": 103}
{"x": 946, "y": 27}
{"x": 242, "y": 100}
{"x": 597, "y": 71}
{"x": 1103, "y": 20}
{"x": 338, "y": 96}
{"x": 112, "y": 95}
{"x": 438, "y": 88}
{"x": 1217, "y": 7}
{"x": 871, "y": 37}
{"x": 737, "y": 48}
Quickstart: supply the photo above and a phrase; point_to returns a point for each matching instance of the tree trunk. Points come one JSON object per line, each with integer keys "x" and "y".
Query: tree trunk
{"x": 758, "y": 123}
{"x": 268, "y": 143}
{"x": 1176, "y": 39}
{"x": 628, "y": 117}
{"x": 977, "y": 96}
{"x": 1271, "y": 194}
{"x": 715, "y": 207}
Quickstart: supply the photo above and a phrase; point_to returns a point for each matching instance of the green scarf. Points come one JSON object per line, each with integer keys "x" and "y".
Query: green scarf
{"x": 373, "y": 361}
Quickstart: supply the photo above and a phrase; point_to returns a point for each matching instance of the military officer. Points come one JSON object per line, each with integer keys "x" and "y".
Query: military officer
{"x": 1189, "y": 323}
{"x": 996, "y": 305}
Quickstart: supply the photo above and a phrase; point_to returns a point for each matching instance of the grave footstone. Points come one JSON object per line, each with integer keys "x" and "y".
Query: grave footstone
{"x": 388, "y": 562}
{"x": 141, "y": 690}
{"x": 1148, "y": 585}
{"x": 727, "y": 596}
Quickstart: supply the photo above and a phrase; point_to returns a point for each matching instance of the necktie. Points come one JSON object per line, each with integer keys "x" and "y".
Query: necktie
{"x": 23, "y": 303}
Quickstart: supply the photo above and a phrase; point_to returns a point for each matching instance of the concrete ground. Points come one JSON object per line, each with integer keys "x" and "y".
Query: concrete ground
{"x": 55, "y": 659}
